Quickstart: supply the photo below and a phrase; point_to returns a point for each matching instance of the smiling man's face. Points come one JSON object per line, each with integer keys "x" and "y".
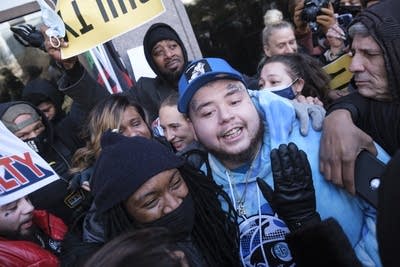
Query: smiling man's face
{"x": 226, "y": 121}
{"x": 168, "y": 57}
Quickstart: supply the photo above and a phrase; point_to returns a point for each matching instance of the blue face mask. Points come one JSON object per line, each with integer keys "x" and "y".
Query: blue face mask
{"x": 52, "y": 20}
{"x": 283, "y": 91}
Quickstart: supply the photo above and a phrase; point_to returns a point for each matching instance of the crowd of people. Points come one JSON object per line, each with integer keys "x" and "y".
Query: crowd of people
{"x": 205, "y": 166}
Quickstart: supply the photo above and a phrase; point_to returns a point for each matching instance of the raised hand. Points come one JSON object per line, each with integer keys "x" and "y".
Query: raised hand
{"x": 293, "y": 198}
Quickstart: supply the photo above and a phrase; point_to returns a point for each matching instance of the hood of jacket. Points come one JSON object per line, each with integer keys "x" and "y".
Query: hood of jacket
{"x": 39, "y": 90}
{"x": 382, "y": 21}
{"x": 156, "y": 33}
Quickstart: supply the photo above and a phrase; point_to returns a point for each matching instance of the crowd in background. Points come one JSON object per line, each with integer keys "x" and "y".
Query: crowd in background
{"x": 206, "y": 166}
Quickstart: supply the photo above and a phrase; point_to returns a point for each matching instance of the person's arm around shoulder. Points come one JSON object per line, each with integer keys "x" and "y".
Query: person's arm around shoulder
{"x": 341, "y": 142}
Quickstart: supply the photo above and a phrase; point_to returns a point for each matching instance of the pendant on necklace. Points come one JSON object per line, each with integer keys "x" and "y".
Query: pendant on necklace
{"x": 240, "y": 209}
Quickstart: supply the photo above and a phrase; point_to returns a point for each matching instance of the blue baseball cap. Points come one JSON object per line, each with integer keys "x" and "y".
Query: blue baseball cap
{"x": 200, "y": 72}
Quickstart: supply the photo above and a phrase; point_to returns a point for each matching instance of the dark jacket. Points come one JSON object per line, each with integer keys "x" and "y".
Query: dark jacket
{"x": 58, "y": 154}
{"x": 388, "y": 214}
{"x": 89, "y": 235}
{"x": 378, "y": 119}
{"x": 61, "y": 143}
{"x": 322, "y": 244}
{"x": 150, "y": 92}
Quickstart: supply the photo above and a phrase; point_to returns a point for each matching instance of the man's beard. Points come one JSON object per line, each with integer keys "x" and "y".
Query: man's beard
{"x": 173, "y": 76}
{"x": 28, "y": 235}
{"x": 247, "y": 154}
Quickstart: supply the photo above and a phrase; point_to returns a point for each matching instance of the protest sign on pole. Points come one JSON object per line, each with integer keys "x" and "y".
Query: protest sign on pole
{"x": 89, "y": 23}
{"x": 339, "y": 72}
{"x": 22, "y": 171}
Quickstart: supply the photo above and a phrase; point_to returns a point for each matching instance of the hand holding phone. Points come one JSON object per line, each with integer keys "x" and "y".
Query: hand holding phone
{"x": 367, "y": 176}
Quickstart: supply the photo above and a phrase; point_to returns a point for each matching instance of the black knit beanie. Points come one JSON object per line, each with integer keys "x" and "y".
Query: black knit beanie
{"x": 125, "y": 164}
{"x": 158, "y": 32}
{"x": 383, "y": 23}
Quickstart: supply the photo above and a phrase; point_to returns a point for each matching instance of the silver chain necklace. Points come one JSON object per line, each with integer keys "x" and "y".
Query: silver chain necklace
{"x": 240, "y": 203}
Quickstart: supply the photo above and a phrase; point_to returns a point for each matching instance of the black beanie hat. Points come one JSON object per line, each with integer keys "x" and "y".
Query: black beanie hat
{"x": 383, "y": 23}
{"x": 158, "y": 32}
{"x": 124, "y": 165}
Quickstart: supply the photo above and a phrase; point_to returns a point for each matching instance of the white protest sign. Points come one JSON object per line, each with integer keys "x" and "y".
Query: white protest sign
{"x": 22, "y": 171}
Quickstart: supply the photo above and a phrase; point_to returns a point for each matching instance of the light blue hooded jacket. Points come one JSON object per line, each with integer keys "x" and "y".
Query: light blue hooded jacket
{"x": 356, "y": 217}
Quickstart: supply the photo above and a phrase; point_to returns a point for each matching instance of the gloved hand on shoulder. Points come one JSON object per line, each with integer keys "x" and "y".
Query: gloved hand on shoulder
{"x": 305, "y": 112}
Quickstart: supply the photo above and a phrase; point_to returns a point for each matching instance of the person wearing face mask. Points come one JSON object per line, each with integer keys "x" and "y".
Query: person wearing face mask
{"x": 30, "y": 125}
{"x": 296, "y": 76}
{"x": 138, "y": 183}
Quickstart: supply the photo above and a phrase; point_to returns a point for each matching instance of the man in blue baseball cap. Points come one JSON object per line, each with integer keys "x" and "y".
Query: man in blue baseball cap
{"x": 239, "y": 128}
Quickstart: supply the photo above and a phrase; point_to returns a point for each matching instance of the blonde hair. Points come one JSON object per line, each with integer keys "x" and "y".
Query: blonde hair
{"x": 106, "y": 115}
{"x": 272, "y": 16}
{"x": 273, "y": 20}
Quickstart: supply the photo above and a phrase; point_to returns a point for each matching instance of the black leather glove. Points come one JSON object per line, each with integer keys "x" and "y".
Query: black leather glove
{"x": 294, "y": 196}
{"x": 81, "y": 180}
{"x": 28, "y": 35}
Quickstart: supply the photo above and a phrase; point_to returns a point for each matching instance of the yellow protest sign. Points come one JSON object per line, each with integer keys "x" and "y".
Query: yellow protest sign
{"x": 92, "y": 22}
{"x": 339, "y": 72}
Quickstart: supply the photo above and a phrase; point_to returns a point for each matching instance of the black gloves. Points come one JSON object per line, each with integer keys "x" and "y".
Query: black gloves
{"x": 81, "y": 180}
{"x": 28, "y": 35}
{"x": 294, "y": 196}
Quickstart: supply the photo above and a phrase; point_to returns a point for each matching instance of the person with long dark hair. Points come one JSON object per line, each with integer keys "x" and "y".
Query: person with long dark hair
{"x": 138, "y": 183}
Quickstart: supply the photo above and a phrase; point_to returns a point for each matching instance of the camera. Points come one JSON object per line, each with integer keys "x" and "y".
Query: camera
{"x": 312, "y": 8}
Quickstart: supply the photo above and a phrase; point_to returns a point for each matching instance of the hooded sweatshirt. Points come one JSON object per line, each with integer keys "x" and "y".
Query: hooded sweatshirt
{"x": 150, "y": 92}
{"x": 40, "y": 90}
{"x": 383, "y": 22}
{"x": 356, "y": 217}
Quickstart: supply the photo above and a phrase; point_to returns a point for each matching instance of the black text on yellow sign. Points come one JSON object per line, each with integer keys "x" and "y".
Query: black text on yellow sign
{"x": 339, "y": 72}
{"x": 92, "y": 22}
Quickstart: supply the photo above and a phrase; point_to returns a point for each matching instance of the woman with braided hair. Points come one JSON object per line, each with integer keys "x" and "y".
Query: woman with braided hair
{"x": 138, "y": 183}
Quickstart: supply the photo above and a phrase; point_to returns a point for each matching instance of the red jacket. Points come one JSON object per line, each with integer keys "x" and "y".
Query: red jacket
{"x": 25, "y": 253}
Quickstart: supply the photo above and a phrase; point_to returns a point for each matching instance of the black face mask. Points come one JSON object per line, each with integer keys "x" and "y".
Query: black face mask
{"x": 180, "y": 221}
{"x": 38, "y": 143}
